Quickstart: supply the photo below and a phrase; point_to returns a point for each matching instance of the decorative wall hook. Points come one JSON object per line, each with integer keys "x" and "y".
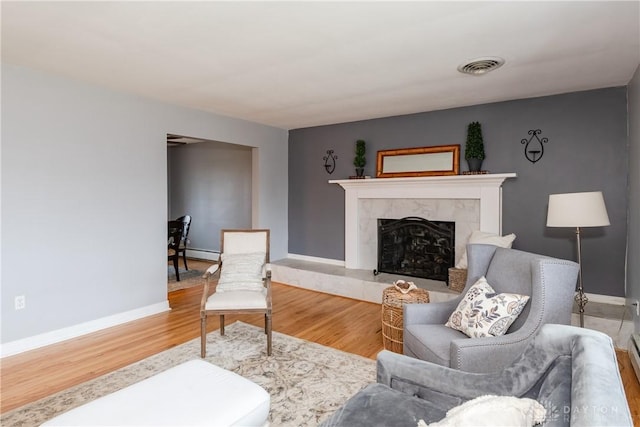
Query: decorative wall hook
{"x": 533, "y": 152}
{"x": 330, "y": 161}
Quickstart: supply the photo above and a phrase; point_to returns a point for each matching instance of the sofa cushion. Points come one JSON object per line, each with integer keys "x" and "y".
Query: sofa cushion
{"x": 380, "y": 406}
{"x": 554, "y": 392}
{"x": 483, "y": 313}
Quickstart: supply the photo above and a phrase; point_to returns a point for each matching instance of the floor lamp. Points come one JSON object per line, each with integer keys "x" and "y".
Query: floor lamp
{"x": 578, "y": 210}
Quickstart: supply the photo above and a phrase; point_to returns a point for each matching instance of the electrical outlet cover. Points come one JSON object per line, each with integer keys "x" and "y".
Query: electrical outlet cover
{"x": 20, "y": 302}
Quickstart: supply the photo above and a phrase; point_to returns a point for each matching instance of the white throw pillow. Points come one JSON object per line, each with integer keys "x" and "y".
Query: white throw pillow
{"x": 493, "y": 411}
{"x": 483, "y": 313}
{"x": 486, "y": 239}
{"x": 241, "y": 272}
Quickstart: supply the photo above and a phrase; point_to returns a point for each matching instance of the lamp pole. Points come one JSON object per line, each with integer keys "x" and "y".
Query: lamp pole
{"x": 580, "y": 297}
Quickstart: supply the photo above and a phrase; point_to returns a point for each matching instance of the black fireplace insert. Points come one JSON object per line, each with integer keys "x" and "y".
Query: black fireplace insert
{"x": 416, "y": 247}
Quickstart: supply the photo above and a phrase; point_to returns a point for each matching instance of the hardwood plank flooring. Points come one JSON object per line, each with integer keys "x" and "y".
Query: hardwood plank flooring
{"x": 341, "y": 323}
{"x": 631, "y": 385}
{"x": 332, "y": 321}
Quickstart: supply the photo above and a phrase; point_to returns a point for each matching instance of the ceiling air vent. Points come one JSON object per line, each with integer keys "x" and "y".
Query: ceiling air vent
{"x": 481, "y": 66}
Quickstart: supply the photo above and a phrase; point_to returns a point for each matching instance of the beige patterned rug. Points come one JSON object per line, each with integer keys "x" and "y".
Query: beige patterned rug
{"x": 188, "y": 279}
{"x": 307, "y": 381}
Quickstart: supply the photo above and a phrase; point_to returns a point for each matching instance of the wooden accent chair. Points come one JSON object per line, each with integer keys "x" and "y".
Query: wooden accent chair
{"x": 244, "y": 281}
{"x": 182, "y": 249}
{"x": 176, "y": 229}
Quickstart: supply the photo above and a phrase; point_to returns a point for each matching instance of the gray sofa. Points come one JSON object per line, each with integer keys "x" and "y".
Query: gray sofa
{"x": 550, "y": 282}
{"x": 572, "y": 372}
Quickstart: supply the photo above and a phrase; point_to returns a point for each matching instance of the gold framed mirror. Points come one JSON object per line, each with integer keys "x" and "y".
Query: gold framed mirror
{"x": 421, "y": 161}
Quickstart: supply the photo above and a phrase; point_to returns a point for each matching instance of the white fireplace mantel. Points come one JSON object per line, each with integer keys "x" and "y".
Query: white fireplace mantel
{"x": 486, "y": 188}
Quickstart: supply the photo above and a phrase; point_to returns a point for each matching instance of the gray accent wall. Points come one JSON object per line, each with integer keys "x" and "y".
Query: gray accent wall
{"x": 586, "y": 151}
{"x": 211, "y": 181}
{"x": 633, "y": 249}
{"x": 84, "y": 197}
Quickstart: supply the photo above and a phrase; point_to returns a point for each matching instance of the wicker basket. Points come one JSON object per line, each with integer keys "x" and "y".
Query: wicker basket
{"x": 392, "y": 322}
{"x": 457, "y": 279}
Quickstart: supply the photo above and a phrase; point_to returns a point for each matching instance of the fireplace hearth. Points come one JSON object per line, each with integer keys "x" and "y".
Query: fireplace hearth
{"x": 416, "y": 247}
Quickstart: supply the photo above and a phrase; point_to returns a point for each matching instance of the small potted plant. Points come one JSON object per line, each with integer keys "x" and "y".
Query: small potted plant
{"x": 359, "y": 161}
{"x": 474, "y": 148}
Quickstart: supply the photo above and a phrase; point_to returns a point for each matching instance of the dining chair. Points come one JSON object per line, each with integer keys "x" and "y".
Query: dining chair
{"x": 173, "y": 243}
{"x": 182, "y": 248}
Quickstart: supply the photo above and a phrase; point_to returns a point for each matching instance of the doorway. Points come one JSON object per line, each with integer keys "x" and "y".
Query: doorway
{"x": 212, "y": 182}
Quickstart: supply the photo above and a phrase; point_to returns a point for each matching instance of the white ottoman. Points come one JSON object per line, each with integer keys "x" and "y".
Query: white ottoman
{"x": 195, "y": 393}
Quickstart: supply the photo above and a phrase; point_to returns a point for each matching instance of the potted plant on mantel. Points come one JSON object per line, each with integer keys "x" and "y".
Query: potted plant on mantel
{"x": 359, "y": 161}
{"x": 474, "y": 148}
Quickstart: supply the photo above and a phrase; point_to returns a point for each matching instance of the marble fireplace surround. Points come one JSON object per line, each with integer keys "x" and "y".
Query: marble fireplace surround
{"x": 366, "y": 199}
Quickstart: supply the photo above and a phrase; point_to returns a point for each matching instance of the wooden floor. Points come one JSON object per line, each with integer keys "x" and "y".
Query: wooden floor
{"x": 342, "y": 323}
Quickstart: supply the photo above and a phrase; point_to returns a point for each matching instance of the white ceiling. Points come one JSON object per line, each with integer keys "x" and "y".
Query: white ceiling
{"x": 300, "y": 64}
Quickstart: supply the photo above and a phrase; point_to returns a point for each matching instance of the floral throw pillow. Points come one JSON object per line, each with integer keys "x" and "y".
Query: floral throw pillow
{"x": 483, "y": 313}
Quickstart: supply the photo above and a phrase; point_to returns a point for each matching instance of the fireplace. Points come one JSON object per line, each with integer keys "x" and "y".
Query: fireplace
{"x": 416, "y": 247}
{"x": 481, "y": 193}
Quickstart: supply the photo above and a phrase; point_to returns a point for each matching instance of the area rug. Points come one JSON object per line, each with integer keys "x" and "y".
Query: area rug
{"x": 307, "y": 382}
{"x": 188, "y": 279}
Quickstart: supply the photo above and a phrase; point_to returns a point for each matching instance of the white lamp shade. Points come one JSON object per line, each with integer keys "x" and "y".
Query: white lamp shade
{"x": 577, "y": 210}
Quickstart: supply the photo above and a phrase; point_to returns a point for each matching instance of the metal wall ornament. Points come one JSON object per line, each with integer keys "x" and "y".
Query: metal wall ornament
{"x": 330, "y": 162}
{"x": 533, "y": 150}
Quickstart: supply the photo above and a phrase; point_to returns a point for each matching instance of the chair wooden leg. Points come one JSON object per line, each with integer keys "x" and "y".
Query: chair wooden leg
{"x": 175, "y": 266}
{"x": 268, "y": 328}
{"x": 184, "y": 258}
{"x": 222, "y": 324}
{"x": 203, "y": 336}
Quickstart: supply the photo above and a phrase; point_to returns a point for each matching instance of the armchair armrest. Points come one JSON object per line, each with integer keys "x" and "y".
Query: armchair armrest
{"x": 438, "y": 384}
{"x": 208, "y": 274}
{"x": 488, "y": 354}
{"x": 211, "y": 271}
{"x": 266, "y": 271}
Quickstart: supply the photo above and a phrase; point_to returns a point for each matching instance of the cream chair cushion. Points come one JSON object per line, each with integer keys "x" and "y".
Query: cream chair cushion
{"x": 237, "y": 300}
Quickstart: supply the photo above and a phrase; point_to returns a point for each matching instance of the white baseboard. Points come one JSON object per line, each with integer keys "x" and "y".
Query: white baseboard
{"x": 199, "y": 254}
{"x": 48, "y": 338}
{"x": 316, "y": 259}
{"x": 606, "y": 299}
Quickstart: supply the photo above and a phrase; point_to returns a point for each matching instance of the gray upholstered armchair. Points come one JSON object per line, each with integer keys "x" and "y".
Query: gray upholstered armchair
{"x": 550, "y": 283}
{"x": 572, "y": 372}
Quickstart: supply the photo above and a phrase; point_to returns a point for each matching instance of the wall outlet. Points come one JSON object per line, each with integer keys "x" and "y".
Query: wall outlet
{"x": 20, "y": 302}
{"x": 636, "y": 307}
